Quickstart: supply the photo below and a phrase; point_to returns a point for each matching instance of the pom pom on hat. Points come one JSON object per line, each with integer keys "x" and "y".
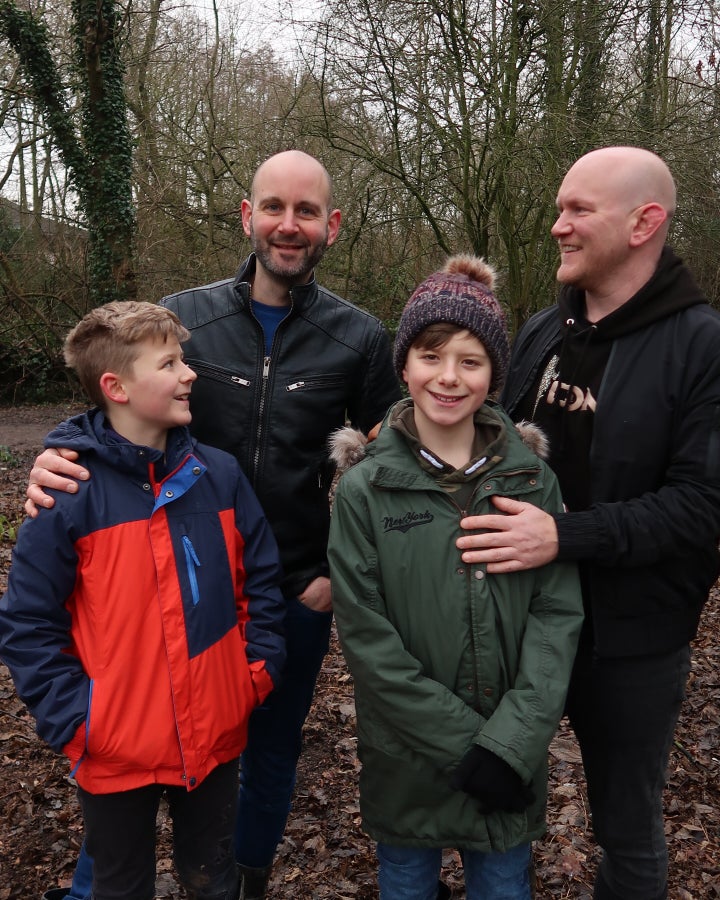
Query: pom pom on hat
{"x": 474, "y": 267}
{"x": 460, "y": 293}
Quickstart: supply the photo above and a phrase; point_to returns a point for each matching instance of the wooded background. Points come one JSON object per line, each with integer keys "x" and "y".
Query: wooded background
{"x": 130, "y": 131}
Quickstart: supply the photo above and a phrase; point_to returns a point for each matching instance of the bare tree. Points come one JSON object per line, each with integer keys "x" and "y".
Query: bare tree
{"x": 474, "y": 108}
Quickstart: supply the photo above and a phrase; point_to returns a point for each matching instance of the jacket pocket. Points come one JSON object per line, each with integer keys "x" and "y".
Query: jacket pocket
{"x": 315, "y": 382}
{"x": 206, "y": 578}
{"x": 73, "y": 750}
{"x": 217, "y": 373}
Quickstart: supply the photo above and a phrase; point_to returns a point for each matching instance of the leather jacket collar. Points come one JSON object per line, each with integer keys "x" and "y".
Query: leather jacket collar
{"x": 302, "y": 295}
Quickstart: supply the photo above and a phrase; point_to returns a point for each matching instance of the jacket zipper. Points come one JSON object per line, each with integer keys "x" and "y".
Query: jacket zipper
{"x": 264, "y": 385}
{"x": 191, "y": 563}
{"x": 261, "y": 411}
{"x": 216, "y": 374}
{"x": 318, "y": 381}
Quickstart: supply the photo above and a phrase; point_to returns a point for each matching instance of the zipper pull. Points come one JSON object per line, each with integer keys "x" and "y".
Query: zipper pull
{"x": 266, "y": 367}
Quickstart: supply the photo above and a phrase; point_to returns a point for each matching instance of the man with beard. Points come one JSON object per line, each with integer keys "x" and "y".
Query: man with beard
{"x": 281, "y": 363}
{"x": 623, "y": 374}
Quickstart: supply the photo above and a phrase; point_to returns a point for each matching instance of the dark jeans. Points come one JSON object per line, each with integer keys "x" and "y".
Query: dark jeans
{"x": 624, "y": 713}
{"x": 268, "y": 765}
{"x": 120, "y": 831}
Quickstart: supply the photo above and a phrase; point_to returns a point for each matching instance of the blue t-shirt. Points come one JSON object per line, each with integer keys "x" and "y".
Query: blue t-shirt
{"x": 269, "y": 318}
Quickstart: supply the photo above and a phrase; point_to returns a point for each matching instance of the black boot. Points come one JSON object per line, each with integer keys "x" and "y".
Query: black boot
{"x": 56, "y": 894}
{"x": 226, "y": 895}
{"x": 604, "y": 892}
{"x": 231, "y": 894}
{"x": 233, "y": 883}
{"x": 444, "y": 892}
{"x": 254, "y": 882}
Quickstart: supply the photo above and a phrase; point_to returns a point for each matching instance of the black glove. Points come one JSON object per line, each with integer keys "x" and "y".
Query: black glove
{"x": 492, "y": 781}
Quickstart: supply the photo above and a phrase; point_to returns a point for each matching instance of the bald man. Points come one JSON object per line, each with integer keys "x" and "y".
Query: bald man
{"x": 623, "y": 374}
{"x": 281, "y": 362}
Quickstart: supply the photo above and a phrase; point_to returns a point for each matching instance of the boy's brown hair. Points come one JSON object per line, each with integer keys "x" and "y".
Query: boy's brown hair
{"x": 436, "y": 335}
{"x": 107, "y": 338}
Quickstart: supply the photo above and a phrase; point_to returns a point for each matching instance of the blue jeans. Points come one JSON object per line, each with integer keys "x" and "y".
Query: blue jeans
{"x": 412, "y": 873}
{"x": 624, "y": 712}
{"x": 81, "y": 888}
{"x": 268, "y": 765}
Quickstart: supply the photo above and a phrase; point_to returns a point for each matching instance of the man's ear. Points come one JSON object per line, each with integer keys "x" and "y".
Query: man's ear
{"x": 111, "y": 385}
{"x": 245, "y": 211}
{"x": 333, "y": 226}
{"x": 647, "y": 220}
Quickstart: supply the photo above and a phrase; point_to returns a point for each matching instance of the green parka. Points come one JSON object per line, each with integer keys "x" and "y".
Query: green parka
{"x": 442, "y": 654}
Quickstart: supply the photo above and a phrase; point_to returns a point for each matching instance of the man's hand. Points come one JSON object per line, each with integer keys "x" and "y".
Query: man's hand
{"x": 47, "y": 472}
{"x": 317, "y": 595}
{"x": 523, "y": 538}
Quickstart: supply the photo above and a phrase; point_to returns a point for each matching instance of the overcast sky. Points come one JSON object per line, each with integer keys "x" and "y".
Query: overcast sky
{"x": 275, "y": 21}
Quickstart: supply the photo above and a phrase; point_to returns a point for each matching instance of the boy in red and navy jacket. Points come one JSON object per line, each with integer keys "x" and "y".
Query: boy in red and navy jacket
{"x": 142, "y": 622}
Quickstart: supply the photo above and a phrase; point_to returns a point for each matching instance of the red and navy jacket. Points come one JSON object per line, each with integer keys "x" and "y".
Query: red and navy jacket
{"x": 142, "y": 621}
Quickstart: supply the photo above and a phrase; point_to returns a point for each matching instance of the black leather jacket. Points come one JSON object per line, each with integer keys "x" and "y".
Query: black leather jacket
{"x": 648, "y": 544}
{"x": 329, "y": 361}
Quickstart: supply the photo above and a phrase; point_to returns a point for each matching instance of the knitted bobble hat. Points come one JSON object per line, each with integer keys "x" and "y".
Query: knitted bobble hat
{"x": 460, "y": 293}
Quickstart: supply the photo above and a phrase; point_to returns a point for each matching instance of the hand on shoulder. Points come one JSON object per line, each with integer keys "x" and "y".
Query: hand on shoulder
{"x": 56, "y": 469}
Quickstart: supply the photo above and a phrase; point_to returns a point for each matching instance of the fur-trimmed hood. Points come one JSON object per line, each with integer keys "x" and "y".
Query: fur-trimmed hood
{"x": 347, "y": 445}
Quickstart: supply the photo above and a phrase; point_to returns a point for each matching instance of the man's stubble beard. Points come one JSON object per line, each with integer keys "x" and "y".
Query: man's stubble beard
{"x": 294, "y": 274}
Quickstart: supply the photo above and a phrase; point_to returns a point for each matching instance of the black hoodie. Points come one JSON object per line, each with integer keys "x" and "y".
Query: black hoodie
{"x": 644, "y": 483}
{"x": 564, "y": 396}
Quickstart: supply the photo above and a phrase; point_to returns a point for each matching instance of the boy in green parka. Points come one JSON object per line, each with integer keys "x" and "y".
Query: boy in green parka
{"x": 460, "y": 676}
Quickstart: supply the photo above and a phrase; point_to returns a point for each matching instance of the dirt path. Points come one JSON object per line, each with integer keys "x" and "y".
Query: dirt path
{"x": 22, "y": 428}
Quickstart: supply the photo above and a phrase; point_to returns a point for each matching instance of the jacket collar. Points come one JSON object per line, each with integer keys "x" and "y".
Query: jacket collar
{"x": 91, "y": 432}
{"x": 391, "y": 452}
{"x": 489, "y": 443}
{"x": 302, "y": 295}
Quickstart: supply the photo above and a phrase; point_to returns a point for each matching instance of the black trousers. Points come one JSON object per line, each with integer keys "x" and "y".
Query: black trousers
{"x": 120, "y": 832}
{"x": 624, "y": 713}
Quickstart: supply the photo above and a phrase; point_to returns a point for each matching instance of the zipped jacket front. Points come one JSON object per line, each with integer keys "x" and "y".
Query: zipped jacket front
{"x": 143, "y": 619}
{"x": 330, "y": 362}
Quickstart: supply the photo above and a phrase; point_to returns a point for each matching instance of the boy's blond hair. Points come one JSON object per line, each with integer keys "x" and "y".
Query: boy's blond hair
{"x": 107, "y": 338}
